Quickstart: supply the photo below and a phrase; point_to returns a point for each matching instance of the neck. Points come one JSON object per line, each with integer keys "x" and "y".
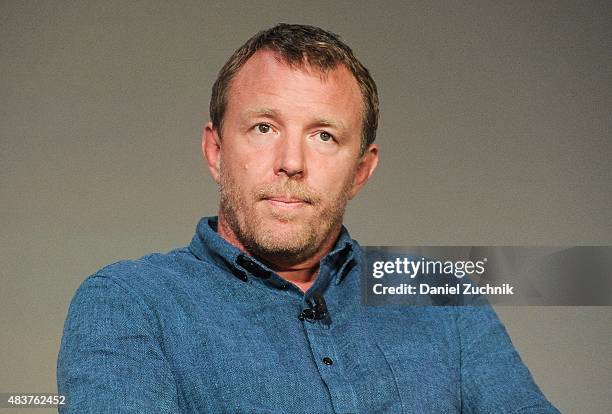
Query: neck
{"x": 303, "y": 278}
{"x": 300, "y": 272}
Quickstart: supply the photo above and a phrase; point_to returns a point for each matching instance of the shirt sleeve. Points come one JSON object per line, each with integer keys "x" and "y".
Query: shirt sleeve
{"x": 110, "y": 359}
{"x": 493, "y": 377}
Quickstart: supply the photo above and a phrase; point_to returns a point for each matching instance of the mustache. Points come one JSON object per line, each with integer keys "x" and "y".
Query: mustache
{"x": 288, "y": 189}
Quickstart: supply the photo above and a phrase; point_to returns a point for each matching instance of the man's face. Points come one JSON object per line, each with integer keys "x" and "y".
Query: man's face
{"x": 288, "y": 159}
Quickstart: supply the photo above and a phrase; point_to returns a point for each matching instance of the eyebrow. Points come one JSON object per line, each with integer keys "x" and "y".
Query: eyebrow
{"x": 266, "y": 112}
{"x": 330, "y": 123}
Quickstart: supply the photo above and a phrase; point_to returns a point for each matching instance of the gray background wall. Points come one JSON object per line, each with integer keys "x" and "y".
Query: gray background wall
{"x": 495, "y": 129}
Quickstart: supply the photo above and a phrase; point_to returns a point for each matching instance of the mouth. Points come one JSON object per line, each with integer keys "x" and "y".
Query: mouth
{"x": 286, "y": 202}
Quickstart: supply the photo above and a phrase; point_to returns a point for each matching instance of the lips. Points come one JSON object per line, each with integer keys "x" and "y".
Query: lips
{"x": 286, "y": 200}
{"x": 286, "y": 203}
{"x": 287, "y": 193}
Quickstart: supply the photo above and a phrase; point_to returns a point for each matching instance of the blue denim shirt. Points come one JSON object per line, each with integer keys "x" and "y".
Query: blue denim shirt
{"x": 209, "y": 329}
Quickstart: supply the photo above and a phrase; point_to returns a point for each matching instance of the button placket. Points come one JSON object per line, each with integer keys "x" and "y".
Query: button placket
{"x": 321, "y": 340}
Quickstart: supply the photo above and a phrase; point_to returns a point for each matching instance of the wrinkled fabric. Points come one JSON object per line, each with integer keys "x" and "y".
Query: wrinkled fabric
{"x": 208, "y": 329}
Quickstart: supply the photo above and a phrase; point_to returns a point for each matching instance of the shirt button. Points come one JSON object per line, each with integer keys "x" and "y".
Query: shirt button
{"x": 327, "y": 361}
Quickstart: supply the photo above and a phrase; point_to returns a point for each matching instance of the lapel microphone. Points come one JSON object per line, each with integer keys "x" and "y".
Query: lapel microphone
{"x": 314, "y": 312}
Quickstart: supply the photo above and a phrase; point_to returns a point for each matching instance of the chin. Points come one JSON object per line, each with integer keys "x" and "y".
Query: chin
{"x": 286, "y": 232}
{"x": 282, "y": 237}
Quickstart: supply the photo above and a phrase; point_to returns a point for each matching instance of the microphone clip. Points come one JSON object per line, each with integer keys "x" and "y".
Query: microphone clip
{"x": 315, "y": 312}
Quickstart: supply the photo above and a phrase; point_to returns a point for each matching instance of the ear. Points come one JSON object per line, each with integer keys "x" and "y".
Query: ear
{"x": 365, "y": 169}
{"x": 211, "y": 150}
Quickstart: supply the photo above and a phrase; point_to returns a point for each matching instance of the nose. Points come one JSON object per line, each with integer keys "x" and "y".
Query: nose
{"x": 290, "y": 157}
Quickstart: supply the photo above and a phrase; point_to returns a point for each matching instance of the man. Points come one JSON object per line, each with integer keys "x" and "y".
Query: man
{"x": 261, "y": 312}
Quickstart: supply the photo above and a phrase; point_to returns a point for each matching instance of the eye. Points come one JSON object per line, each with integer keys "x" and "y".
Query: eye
{"x": 325, "y": 136}
{"x": 263, "y": 128}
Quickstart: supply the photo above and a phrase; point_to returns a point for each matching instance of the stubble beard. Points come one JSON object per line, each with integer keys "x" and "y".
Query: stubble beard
{"x": 261, "y": 236}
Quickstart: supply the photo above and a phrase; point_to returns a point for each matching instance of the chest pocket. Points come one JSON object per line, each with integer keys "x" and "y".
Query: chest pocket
{"x": 427, "y": 377}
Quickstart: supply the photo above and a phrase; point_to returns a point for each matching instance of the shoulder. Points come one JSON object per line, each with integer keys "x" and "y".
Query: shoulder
{"x": 153, "y": 269}
{"x": 152, "y": 277}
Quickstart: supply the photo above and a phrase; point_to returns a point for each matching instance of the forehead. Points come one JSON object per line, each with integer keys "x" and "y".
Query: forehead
{"x": 266, "y": 78}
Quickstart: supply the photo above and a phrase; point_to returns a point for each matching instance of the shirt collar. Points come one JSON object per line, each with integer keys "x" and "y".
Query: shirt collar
{"x": 208, "y": 245}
